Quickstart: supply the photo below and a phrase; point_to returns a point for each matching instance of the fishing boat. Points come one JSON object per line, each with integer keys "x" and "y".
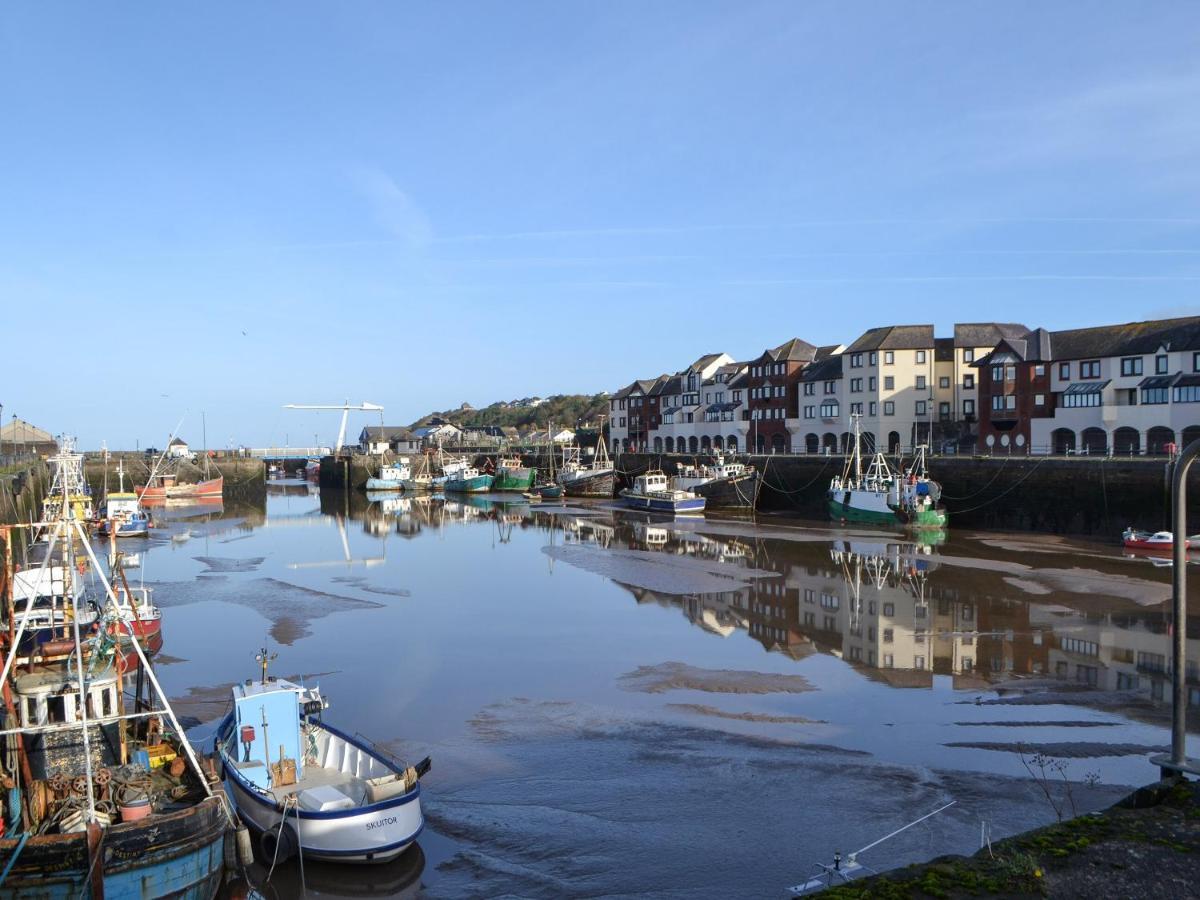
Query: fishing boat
{"x": 312, "y": 469}
{"x": 50, "y": 600}
{"x": 654, "y": 493}
{"x": 105, "y": 799}
{"x": 135, "y": 611}
{"x": 468, "y": 481}
{"x": 167, "y": 487}
{"x": 449, "y": 467}
{"x": 884, "y": 497}
{"x": 1150, "y": 542}
{"x": 593, "y": 479}
{"x": 69, "y": 490}
{"x": 512, "y": 475}
{"x": 550, "y": 489}
{"x": 723, "y": 483}
{"x": 121, "y": 513}
{"x": 391, "y": 477}
{"x": 309, "y": 788}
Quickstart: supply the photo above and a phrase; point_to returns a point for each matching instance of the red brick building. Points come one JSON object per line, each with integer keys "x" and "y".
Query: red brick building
{"x": 773, "y": 394}
{"x": 1014, "y": 389}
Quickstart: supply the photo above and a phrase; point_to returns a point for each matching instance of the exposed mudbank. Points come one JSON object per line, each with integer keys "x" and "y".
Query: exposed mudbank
{"x": 361, "y": 583}
{"x": 1035, "y": 723}
{"x": 660, "y": 572}
{"x": 677, "y": 676}
{"x": 1061, "y": 749}
{"x": 702, "y": 710}
{"x": 229, "y": 564}
{"x": 289, "y": 607}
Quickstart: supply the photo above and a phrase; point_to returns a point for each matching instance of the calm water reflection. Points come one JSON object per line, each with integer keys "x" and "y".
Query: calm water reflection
{"x": 500, "y": 636}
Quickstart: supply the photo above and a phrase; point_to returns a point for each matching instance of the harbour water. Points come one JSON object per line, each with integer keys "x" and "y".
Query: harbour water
{"x": 701, "y": 707}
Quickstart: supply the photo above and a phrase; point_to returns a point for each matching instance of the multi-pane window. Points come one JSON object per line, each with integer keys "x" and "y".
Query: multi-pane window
{"x": 1131, "y": 365}
{"x": 889, "y": 382}
{"x": 889, "y": 408}
{"x": 808, "y": 412}
{"x": 997, "y": 373}
{"x": 856, "y": 409}
{"x": 856, "y": 360}
{"x": 920, "y": 382}
{"x": 873, "y": 408}
{"x": 810, "y": 388}
{"x": 829, "y": 409}
{"x": 874, "y": 358}
{"x": 920, "y": 407}
{"x": 1154, "y": 395}
{"x": 1074, "y": 401}
{"x": 1187, "y": 394}
{"x": 831, "y": 387}
{"x": 855, "y": 385}
{"x": 1089, "y": 368}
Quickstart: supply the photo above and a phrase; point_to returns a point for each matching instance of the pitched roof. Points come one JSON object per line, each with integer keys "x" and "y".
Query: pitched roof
{"x": 1128, "y": 339}
{"x": 177, "y": 442}
{"x": 665, "y": 384}
{"x": 795, "y": 349}
{"x": 826, "y": 351}
{"x": 387, "y": 433}
{"x": 986, "y": 334}
{"x": 828, "y": 369}
{"x": 894, "y": 337}
{"x": 705, "y": 361}
{"x": 18, "y": 430}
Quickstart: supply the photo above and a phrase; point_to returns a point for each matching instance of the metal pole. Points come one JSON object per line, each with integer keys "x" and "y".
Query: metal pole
{"x": 1179, "y": 604}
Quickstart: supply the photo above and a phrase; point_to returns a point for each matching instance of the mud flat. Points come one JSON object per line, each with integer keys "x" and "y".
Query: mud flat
{"x": 677, "y": 676}
{"x": 1145, "y": 847}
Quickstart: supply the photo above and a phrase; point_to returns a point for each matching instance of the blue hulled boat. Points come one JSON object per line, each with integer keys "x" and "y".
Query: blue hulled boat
{"x": 468, "y": 481}
{"x": 652, "y": 492}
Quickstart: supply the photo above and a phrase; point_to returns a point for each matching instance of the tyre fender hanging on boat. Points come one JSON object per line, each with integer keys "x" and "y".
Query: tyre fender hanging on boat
{"x": 278, "y": 842}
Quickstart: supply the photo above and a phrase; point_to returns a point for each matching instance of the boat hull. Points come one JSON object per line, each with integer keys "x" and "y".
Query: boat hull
{"x": 125, "y": 529}
{"x": 600, "y": 484}
{"x": 731, "y": 493}
{"x": 549, "y": 491}
{"x": 514, "y": 479}
{"x": 201, "y": 490}
{"x": 477, "y": 484}
{"x": 663, "y": 504}
{"x": 176, "y": 854}
{"x": 375, "y": 833}
{"x": 385, "y": 484}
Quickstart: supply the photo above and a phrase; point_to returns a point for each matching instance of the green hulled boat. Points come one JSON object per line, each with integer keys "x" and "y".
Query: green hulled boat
{"x": 882, "y": 497}
{"x": 511, "y": 475}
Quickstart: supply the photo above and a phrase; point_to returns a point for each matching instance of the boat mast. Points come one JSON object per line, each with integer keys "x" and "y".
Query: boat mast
{"x": 856, "y": 421}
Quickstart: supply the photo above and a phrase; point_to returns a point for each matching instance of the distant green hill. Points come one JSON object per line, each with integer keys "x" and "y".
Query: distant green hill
{"x": 566, "y": 410}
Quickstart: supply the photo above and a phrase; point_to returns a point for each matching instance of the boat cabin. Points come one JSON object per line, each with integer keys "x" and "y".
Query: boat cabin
{"x": 650, "y": 483}
{"x": 266, "y": 734}
{"x": 51, "y": 697}
{"x": 121, "y": 506}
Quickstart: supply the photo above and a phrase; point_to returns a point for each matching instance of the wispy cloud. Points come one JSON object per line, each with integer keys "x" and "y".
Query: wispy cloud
{"x": 393, "y": 208}
{"x": 1146, "y": 119}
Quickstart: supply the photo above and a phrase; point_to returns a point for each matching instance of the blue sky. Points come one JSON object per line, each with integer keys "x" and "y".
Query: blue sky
{"x": 228, "y": 207}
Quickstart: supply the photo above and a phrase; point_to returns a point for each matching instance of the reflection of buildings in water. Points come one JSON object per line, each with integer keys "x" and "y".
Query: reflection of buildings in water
{"x": 651, "y": 536}
{"x": 1115, "y": 651}
{"x": 581, "y": 530}
{"x": 721, "y": 614}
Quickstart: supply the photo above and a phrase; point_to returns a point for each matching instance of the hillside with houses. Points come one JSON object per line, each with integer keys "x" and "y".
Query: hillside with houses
{"x": 526, "y": 414}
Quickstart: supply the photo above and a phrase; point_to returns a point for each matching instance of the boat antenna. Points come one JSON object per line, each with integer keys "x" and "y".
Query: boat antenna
{"x": 264, "y": 659}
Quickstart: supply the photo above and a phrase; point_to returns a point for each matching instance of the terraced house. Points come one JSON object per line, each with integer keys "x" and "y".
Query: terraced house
{"x": 1126, "y": 389}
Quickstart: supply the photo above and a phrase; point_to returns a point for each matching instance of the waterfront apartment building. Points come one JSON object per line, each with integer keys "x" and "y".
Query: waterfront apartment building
{"x": 773, "y": 388}
{"x": 907, "y": 386}
{"x": 1124, "y": 389}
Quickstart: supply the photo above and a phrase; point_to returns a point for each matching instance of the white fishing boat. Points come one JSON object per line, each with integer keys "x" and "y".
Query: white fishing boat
{"x": 652, "y": 492}
{"x": 596, "y": 478}
{"x": 51, "y": 599}
{"x": 724, "y": 483}
{"x": 881, "y": 496}
{"x": 309, "y": 788}
{"x": 121, "y": 513}
{"x": 451, "y": 468}
{"x": 392, "y": 477}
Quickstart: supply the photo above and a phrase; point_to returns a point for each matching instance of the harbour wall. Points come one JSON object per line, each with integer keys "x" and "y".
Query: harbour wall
{"x": 1062, "y": 495}
{"x": 245, "y": 478}
{"x": 21, "y": 493}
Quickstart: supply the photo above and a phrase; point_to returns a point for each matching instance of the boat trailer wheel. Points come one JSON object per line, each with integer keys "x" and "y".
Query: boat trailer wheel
{"x": 278, "y": 842}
